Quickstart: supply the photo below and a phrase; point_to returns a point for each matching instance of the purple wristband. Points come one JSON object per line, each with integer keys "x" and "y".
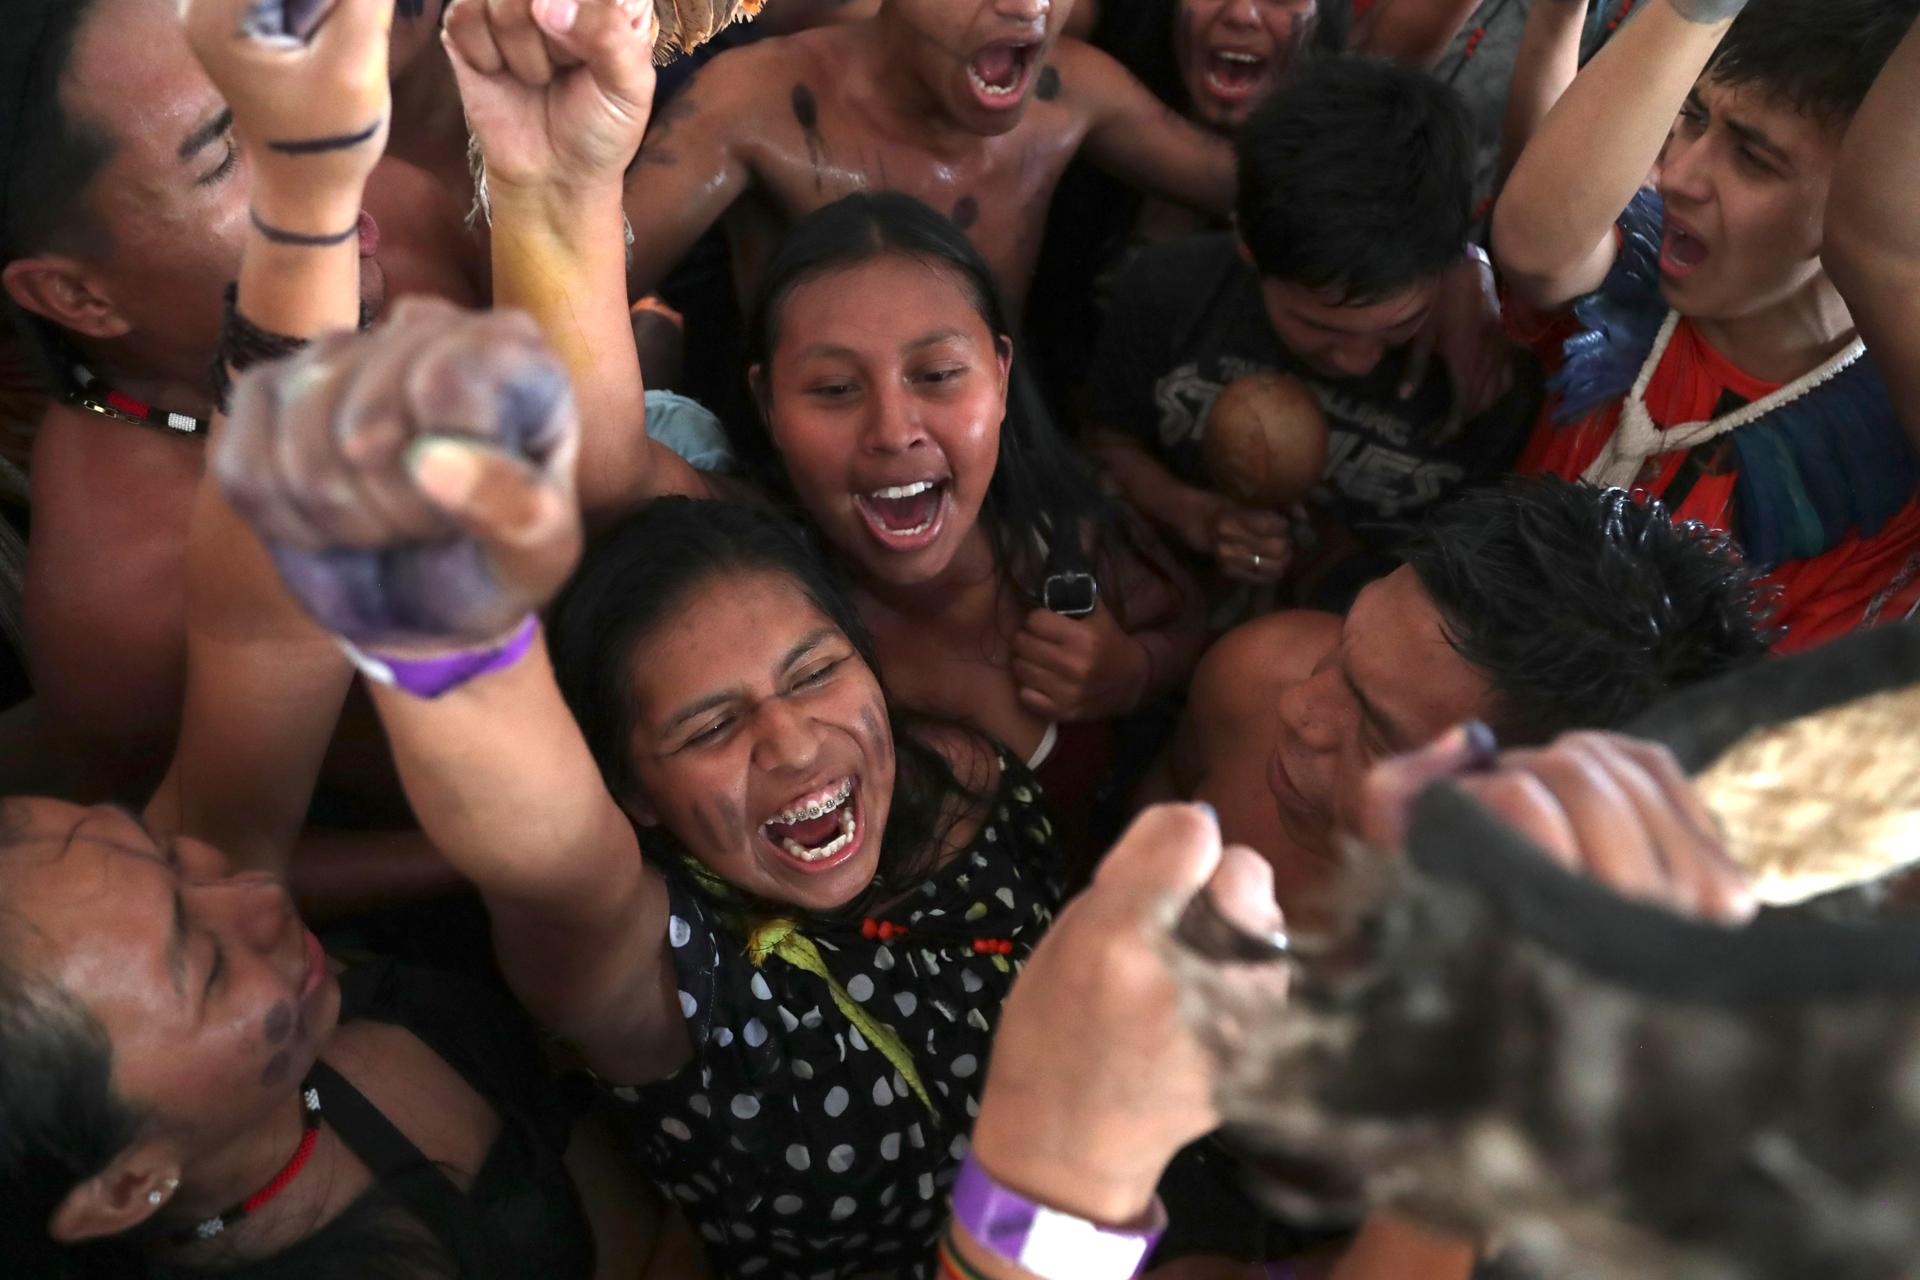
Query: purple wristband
{"x": 1054, "y": 1245}
{"x": 431, "y": 677}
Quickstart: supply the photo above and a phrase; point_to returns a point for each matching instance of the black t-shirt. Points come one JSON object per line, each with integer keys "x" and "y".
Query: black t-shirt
{"x": 1188, "y": 320}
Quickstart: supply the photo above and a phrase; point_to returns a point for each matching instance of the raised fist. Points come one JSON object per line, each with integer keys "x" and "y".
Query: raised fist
{"x": 414, "y": 485}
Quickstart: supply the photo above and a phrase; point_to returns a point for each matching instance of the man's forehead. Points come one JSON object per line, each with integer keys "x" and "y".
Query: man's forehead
{"x": 1758, "y": 106}
{"x": 133, "y": 73}
{"x": 1397, "y": 654}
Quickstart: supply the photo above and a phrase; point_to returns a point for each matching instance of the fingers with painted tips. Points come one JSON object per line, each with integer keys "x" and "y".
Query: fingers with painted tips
{"x": 558, "y": 92}
{"x": 1079, "y": 668}
{"x": 414, "y": 485}
{"x": 1613, "y": 808}
{"x": 1620, "y": 810}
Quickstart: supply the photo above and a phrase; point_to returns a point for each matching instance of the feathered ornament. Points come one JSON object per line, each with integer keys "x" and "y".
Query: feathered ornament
{"x": 685, "y": 25}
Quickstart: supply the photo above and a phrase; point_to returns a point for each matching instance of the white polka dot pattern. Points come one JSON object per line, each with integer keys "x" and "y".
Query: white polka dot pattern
{"x": 793, "y": 1145}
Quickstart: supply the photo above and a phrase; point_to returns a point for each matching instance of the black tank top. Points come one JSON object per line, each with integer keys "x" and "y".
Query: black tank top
{"x": 519, "y": 1217}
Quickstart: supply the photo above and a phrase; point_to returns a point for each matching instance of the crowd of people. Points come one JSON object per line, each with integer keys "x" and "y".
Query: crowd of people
{"x": 743, "y": 597}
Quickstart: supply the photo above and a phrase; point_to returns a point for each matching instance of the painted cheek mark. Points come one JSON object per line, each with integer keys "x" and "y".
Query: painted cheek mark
{"x": 873, "y": 721}
{"x": 966, "y": 213}
{"x": 279, "y": 1024}
{"x": 724, "y": 821}
{"x": 276, "y": 1070}
{"x": 1048, "y": 87}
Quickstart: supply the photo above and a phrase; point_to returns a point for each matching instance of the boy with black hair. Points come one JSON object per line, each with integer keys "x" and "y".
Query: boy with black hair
{"x": 1535, "y": 606}
{"x": 1715, "y": 363}
{"x": 1356, "y": 191}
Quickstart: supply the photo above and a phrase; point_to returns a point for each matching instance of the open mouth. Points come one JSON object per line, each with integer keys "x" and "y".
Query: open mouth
{"x": 906, "y": 517}
{"x": 369, "y": 234}
{"x": 818, "y": 831}
{"x": 999, "y": 73}
{"x": 1235, "y": 76}
{"x": 1681, "y": 252}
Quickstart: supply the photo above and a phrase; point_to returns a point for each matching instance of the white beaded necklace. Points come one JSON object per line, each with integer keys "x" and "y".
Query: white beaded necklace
{"x": 1638, "y": 437}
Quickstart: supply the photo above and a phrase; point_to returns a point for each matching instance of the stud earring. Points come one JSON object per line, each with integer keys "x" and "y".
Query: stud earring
{"x": 166, "y": 1188}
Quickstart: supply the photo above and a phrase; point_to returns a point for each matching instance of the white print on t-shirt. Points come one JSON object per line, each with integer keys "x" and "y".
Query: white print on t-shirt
{"x": 1185, "y": 398}
{"x": 1387, "y": 480}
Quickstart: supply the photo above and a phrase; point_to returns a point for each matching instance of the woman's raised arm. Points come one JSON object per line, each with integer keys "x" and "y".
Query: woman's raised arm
{"x": 1872, "y": 244}
{"x": 414, "y": 488}
{"x": 558, "y": 94}
{"x": 264, "y": 687}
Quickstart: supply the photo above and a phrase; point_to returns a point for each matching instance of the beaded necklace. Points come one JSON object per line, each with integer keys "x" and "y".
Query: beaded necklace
{"x": 208, "y": 1228}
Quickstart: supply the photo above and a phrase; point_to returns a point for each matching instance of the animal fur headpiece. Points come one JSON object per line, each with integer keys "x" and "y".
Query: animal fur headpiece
{"x": 1599, "y": 1088}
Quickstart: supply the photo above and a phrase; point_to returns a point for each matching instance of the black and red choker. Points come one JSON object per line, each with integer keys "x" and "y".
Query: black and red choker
{"x": 208, "y": 1228}
{"x": 91, "y": 393}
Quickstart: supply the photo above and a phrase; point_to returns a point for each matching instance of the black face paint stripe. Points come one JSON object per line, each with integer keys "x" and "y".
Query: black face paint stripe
{"x": 1048, "y": 87}
{"x": 276, "y": 1071}
{"x": 279, "y": 1023}
{"x": 313, "y": 146}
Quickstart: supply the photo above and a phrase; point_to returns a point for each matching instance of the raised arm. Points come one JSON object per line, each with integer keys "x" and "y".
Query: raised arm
{"x": 1546, "y": 63}
{"x": 1872, "y": 244}
{"x": 1553, "y": 227}
{"x": 264, "y": 687}
{"x": 1140, "y": 139}
{"x": 690, "y": 171}
{"x": 1415, "y": 32}
{"x": 415, "y": 488}
{"x": 558, "y": 111}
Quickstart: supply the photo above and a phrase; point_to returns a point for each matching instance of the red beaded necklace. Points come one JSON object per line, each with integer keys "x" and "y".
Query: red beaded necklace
{"x": 309, "y": 1136}
{"x": 887, "y": 931}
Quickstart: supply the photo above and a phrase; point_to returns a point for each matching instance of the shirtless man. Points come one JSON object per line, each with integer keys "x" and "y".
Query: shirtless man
{"x": 1535, "y": 608}
{"x": 125, "y": 214}
{"x": 974, "y": 106}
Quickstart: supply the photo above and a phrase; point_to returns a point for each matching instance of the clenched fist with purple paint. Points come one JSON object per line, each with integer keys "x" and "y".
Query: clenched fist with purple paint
{"x": 414, "y": 485}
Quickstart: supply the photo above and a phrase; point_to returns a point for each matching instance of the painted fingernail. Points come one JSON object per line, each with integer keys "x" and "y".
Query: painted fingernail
{"x": 1482, "y": 743}
{"x": 1213, "y": 815}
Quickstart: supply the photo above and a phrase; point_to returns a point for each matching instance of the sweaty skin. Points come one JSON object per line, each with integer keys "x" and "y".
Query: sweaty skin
{"x": 1237, "y": 703}
{"x": 775, "y": 130}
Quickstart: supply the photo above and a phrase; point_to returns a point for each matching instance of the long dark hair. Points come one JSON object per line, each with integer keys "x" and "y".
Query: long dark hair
{"x": 632, "y": 583}
{"x": 1040, "y": 485}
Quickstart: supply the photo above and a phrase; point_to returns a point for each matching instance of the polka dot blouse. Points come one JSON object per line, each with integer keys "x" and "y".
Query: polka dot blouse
{"x": 793, "y": 1145}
